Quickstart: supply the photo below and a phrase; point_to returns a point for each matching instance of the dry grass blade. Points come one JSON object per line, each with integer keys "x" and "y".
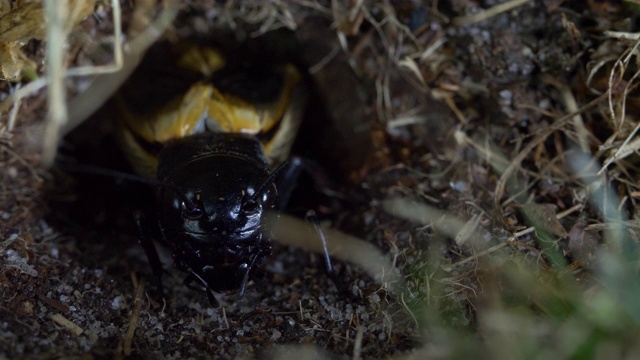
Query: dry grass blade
{"x": 357, "y": 344}
{"x": 133, "y": 319}
{"x": 571, "y": 105}
{"x": 104, "y": 86}
{"x": 80, "y": 108}
{"x": 26, "y": 22}
{"x": 489, "y": 13}
{"x": 427, "y": 215}
{"x": 69, "y": 325}
{"x": 629, "y": 147}
{"x": 295, "y": 232}
{"x": 603, "y": 197}
{"x": 539, "y": 139}
{"x": 423, "y": 214}
{"x": 56, "y": 94}
{"x": 622, "y": 35}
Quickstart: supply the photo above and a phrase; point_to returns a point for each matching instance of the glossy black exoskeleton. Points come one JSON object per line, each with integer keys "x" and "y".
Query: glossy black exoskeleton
{"x": 212, "y": 209}
{"x": 212, "y": 129}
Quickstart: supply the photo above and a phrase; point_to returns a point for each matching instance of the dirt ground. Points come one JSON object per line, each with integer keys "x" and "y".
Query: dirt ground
{"x": 485, "y": 147}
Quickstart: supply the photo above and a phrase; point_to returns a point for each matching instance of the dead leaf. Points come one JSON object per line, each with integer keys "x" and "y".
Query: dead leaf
{"x": 26, "y": 22}
{"x": 582, "y": 243}
{"x": 13, "y": 61}
{"x": 543, "y": 218}
{"x": 469, "y": 229}
{"x": 23, "y": 23}
{"x": 348, "y": 21}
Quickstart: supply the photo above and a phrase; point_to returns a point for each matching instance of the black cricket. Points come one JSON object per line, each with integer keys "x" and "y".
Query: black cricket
{"x": 215, "y": 188}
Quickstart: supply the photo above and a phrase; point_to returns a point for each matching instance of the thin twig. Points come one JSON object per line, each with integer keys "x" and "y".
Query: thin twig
{"x": 133, "y": 319}
{"x": 357, "y": 344}
{"x": 56, "y": 94}
{"x": 513, "y": 237}
{"x": 491, "y": 12}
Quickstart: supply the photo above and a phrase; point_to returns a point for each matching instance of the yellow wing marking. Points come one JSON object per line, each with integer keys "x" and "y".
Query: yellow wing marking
{"x": 228, "y": 113}
{"x": 181, "y": 117}
{"x": 205, "y": 108}
{"x": 203, "y": 60}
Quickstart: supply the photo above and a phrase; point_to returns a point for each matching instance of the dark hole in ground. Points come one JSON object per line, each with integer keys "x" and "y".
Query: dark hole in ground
{"x": 98, "y": 210}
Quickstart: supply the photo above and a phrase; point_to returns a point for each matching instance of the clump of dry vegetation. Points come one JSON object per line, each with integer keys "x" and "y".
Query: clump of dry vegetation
{"x": 486, "y": 157}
